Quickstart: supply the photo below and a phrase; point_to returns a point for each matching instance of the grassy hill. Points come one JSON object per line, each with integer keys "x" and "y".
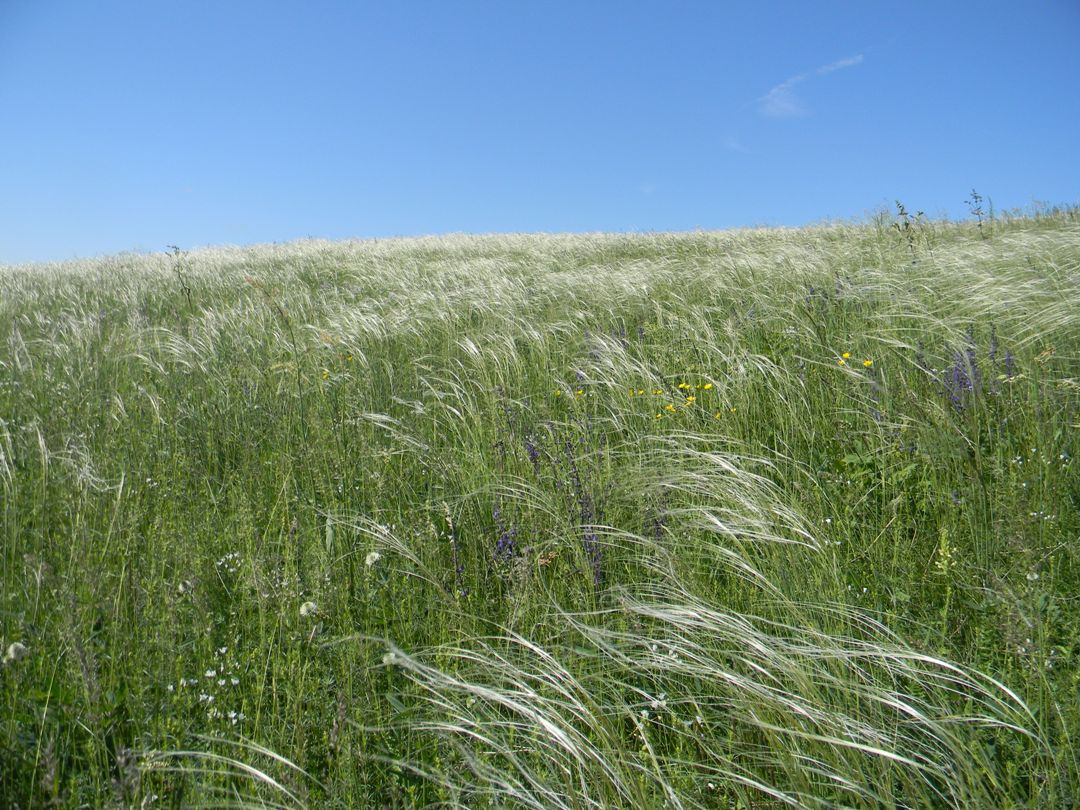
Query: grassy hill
{"x": 741, "y": 519}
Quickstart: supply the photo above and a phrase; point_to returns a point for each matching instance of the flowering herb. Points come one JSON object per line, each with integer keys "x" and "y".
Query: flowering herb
{"x": 504, "y": 546}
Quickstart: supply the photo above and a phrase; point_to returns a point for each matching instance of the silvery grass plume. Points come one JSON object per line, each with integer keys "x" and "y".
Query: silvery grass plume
{"x": 671, "y": 697}
{"x": 231, "y": 773}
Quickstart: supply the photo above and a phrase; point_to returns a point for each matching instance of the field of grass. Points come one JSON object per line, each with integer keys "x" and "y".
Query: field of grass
{"x": 720, "y": 520}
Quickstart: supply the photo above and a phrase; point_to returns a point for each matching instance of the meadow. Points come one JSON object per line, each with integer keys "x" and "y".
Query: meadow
{"x": 744, "y": 519}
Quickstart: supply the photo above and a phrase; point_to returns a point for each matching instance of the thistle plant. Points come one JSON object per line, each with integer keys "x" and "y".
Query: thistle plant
{"x": 974, "y": 203}
{"x": 908, "y": 227}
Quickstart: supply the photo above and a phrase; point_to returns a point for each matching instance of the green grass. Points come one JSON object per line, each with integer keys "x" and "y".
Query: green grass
{"x": 546, "y": 521}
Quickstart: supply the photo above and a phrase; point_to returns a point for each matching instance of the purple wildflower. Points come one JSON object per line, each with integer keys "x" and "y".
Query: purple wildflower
{"x": 1010, "y": 365}
{"x": 504, "y": 546}
{"x": 960, "y": 382}
{"x": 533, "y": 452}
{"x": 973, "y": 368}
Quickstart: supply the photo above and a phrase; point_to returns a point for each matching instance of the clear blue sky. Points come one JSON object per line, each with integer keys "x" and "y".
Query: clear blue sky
{"x": 134, "y": 124}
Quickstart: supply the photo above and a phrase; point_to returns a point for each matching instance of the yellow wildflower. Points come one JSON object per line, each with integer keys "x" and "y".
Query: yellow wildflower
{"x": 707, "y": 386}
{"x": 867, "y": 363}
{"x": 641, "y": 392}
{"x": 658, "y": 392}
{"x": 580, "y": 392}
{"x": 326, "y": 374}
{"x": 846, "y": 355}
{"x": 841, "y": 362}
{"x": 684, "y": 386}
{"x": 670, "y": 407}
{"x": 690, "y": 400}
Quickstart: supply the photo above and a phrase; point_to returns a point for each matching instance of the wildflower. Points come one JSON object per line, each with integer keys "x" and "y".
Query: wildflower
{"x": 504, "y": 546}
{"x": 533, "y": 453}
{"x": 963, "y": 379}
{"x": 684, "y": 386}
{"x": 717, "y": 415}
{"x": 690, "y": 400}
{"x": 641, "y": 392}
{"x": 657, "y": 392}
{"x": 841, "y": 362}
{"x": 846, "y": 355}
{"x": 867, "y": 363}
{"x": 670, "y": 407}
{"x": 945, "y": 561}
{"x": 659, "y": 415}
{"x": 580, "y": 392}
{"x": 372, "y": 558}
{"x": 15, "y": 651}
{"x": 326, "y": 374}
{"x": 308, "y": 609}
{"x": 558, "y": 392}
{"x": 707, "y": 386}
{"x": 1010, "y": 365}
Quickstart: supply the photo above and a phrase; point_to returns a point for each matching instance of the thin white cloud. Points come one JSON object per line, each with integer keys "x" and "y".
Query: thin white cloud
{"x": 781, "y": 101}
{"x": 840, "y": 64}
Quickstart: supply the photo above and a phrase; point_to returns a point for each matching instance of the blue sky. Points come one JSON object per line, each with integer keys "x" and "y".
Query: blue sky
{"x": 136, "y": 125}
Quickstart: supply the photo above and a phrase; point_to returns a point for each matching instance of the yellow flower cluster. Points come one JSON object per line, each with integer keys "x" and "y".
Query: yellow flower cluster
{"x": 689, "y": 396}
{"x": 842, "y": 361}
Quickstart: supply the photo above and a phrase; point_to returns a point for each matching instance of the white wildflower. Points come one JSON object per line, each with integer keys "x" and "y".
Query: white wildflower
{"x": 15, "y": 651}
{"x": 308, "y": 609}
{"x": 372, "y": 558}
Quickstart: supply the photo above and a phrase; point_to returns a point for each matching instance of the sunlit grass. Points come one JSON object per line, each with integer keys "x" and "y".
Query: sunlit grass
{"x": 744, "y": 519}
